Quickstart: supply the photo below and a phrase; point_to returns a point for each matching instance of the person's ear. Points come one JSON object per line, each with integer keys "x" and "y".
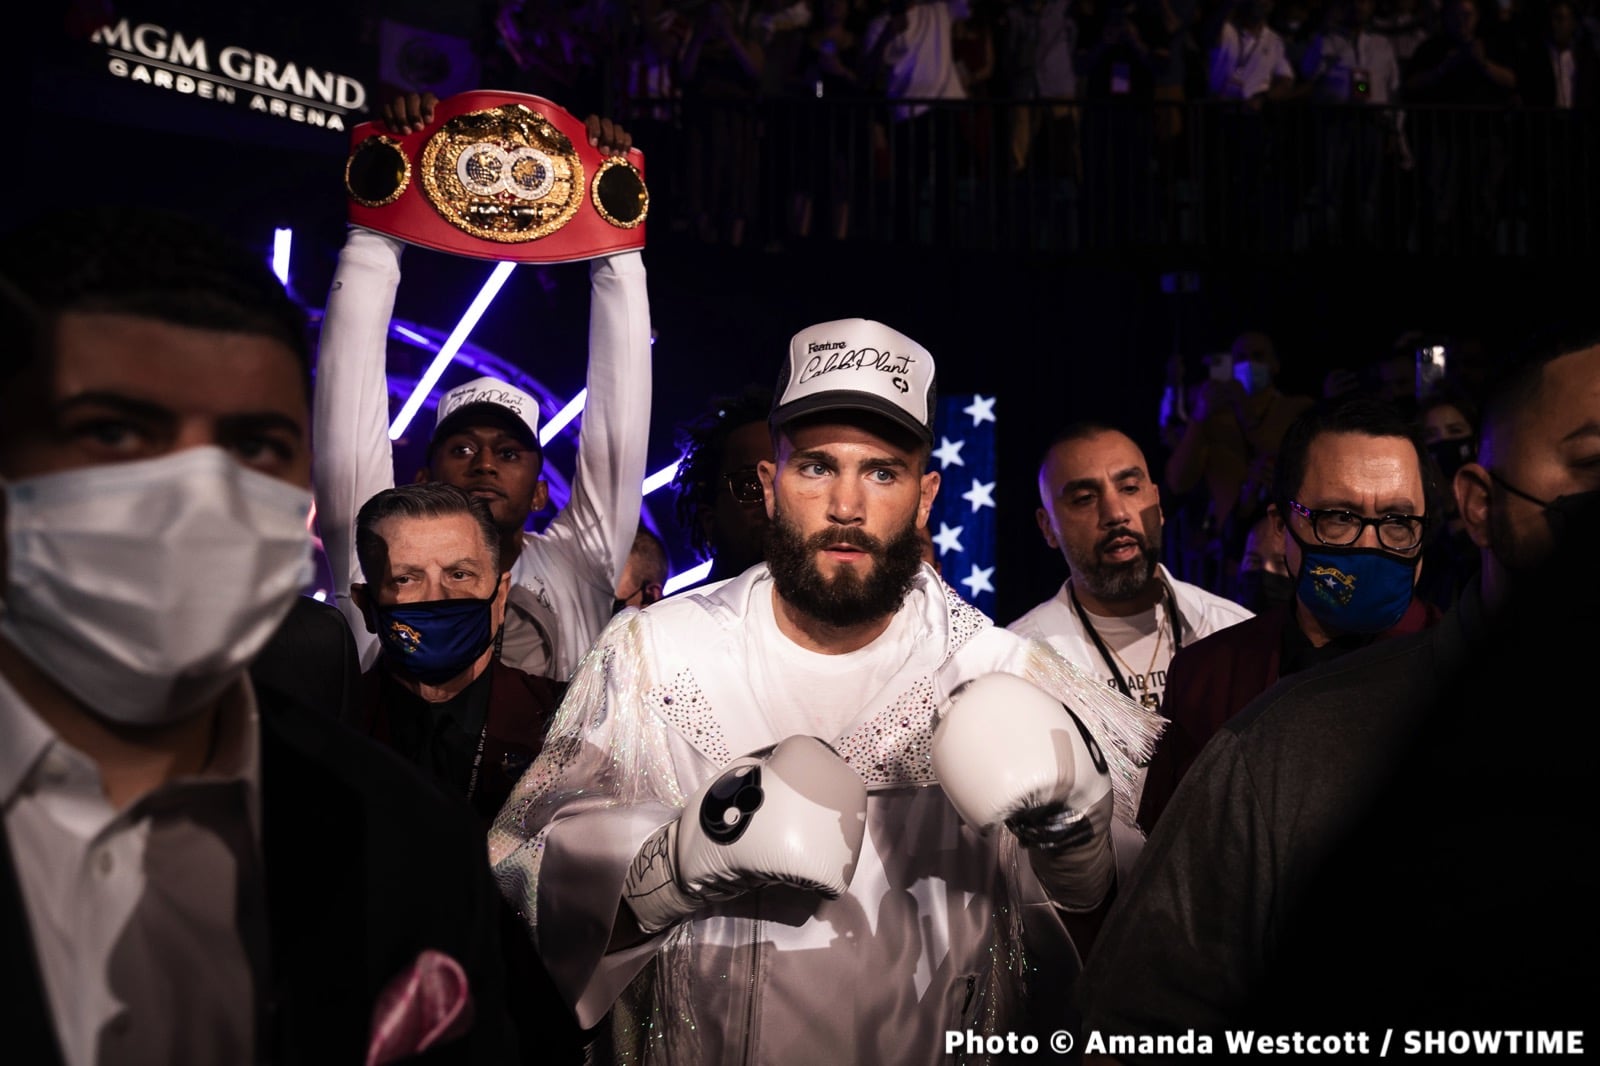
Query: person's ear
{"x": 928, "y": 492}
{"x": 541, "y": 496}
{"x": 651, "y": 593}
{"x": 1473, "y": 487}
{"x": 424, "y": 475}
{"x": 363, "y": 601}
{"x": 1042, "y": 517}
{"x": 767, "y": 471}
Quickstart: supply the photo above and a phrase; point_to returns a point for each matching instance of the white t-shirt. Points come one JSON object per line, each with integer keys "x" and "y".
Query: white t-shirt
{"x": 1342, "y": 60}
{"x": 920, "y": 61}
{"x": 1141, "y": 648}
{"x": 819, "y": 694}
{"x": 1244, "y": 63}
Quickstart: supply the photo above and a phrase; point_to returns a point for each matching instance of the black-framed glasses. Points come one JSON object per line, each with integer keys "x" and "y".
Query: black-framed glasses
{"x": 745, "y": 485}
{"x": 1339, "y": 529}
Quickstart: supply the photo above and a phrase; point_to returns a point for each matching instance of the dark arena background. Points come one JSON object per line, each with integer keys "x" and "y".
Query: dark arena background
{"x": 1137, "y": 238}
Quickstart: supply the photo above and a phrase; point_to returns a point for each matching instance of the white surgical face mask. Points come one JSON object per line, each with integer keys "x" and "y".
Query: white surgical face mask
{"x": 144, "y": 589}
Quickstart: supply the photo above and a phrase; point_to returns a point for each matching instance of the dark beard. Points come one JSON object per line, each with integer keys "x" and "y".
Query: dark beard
{"x": 1118, "y": 582}
{"x": 845, "y": 600}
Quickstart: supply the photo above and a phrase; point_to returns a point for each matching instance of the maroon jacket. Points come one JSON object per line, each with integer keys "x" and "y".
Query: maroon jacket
{"x": 521, "y": 707}
{"x": 1213, "y": 679}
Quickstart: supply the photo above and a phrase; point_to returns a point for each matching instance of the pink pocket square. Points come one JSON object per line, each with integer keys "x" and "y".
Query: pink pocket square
{"x": 424, "y": 1006}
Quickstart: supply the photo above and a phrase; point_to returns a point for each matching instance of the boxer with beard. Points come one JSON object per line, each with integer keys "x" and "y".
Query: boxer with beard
{"x": 848, "y": 598}
{"x": 687, "y": 896}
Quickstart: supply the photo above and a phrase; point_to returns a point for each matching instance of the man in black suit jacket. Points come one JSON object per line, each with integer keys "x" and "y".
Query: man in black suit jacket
{"x": 194, "y": 868}
{"x": 1558, "y": 70}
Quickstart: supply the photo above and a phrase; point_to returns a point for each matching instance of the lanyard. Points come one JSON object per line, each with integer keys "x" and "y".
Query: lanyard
{"x": 1100, "y": 645}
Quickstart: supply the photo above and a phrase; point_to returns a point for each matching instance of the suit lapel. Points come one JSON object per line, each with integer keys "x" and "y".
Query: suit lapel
{"x": 313, "y": 843}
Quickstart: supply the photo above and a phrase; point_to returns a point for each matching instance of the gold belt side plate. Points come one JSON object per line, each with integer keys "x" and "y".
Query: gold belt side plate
{"x": 505, "y": 174}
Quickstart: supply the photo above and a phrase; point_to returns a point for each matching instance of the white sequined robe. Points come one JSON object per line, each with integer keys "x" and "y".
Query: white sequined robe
{"x": 942, "y": 928}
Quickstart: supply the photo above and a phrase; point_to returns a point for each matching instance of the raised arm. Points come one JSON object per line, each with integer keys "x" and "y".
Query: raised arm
{"x": 352, "y": 459}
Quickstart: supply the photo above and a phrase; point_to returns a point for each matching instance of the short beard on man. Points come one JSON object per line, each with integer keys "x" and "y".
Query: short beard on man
{"x": 1117, "y": 582}
{"x": 846, "y": 599}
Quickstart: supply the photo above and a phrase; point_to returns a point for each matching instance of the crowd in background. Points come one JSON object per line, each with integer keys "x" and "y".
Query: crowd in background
{"x": 1100, "y": 103}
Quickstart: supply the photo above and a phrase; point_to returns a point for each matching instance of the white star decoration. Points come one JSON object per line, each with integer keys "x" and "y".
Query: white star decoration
{"x": 978, "y": 580}
{"x": 949, "y": 540}
{"x": 981, "y": 410}
{"x": 981, "y": 494}
{"x": 949, "y": 452}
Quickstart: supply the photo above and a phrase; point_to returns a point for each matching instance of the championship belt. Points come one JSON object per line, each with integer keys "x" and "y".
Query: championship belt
{"x": 498, "y": 176}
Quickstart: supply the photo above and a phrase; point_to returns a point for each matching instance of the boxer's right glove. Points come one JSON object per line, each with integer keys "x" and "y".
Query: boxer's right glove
{"x": 1006, "y": 751}
{"x": 793, "y": 814}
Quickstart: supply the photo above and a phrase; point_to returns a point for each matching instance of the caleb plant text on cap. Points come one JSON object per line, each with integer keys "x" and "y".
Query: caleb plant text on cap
{"x": 857, "y": 364}
{"x": 487, "y": 390}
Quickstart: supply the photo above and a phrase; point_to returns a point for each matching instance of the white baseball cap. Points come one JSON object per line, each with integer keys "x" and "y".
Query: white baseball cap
{"x": 856, "y": 364}
{"x": 492, "y": 401}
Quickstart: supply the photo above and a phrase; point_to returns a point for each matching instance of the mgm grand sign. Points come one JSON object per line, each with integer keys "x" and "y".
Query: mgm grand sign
{"x": 191, "y": 66}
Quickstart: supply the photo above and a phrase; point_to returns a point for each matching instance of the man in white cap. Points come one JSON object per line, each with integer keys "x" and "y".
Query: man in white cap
{"x": 843, "y": 893}
{"x": 486, "y": 442}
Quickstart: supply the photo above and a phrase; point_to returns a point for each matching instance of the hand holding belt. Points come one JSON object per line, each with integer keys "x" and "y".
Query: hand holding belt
{"x": 498, "y": 176}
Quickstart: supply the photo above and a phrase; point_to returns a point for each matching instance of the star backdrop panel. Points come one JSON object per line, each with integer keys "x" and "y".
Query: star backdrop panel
{"x": 963, "y": 518}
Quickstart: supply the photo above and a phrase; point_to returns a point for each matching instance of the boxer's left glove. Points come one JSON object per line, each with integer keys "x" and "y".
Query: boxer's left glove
{"x": 793, "y": 814}
{"x": 1007, "y": 752}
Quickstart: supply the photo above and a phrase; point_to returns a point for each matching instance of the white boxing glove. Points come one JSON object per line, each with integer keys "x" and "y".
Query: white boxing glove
{"x": 1007, "y": 752}
{"x": 792, "y": 814}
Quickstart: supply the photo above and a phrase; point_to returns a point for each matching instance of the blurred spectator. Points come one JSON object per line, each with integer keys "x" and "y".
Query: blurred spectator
{"x": 909, "y": 56}
{"x": 722, "y": 65}
{"x": 1118, "y": 130}
{"x": 719, "y": 497}
{"x": 1558, "y": 71}
{"x": 827, "y": 137}
{"x": 1405, "y": 24}
{"x": 1455, "y": 65}
{"x": 1263, "y": 582}
{"x": 908, "y": 52}
{"x": 646, "y": 572}
{"x": 972, "y": 47}
{"x": 1449, "y": 426}
{"x": 1231, "y": 441}
{"x": 1249, "y": 61}
{"x": 1040, "y": 41}
{"x": 1346, "y": 63}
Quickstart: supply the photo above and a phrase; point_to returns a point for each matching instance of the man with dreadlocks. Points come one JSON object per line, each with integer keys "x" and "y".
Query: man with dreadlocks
{"x": 718, "y": 493}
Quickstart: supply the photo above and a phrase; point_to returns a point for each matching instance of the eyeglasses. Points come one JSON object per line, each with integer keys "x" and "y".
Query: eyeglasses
{"x": 1338, "y": 529}
{"x": 745, "y": 485}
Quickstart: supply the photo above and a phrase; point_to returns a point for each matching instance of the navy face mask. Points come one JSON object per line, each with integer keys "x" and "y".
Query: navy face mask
{"x": 437, "y": 640}
{"x": 1354, "y": 590}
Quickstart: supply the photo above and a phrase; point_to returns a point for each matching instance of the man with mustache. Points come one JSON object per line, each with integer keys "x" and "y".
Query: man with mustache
{"x": 836, "y": 896}
{"x": 1120, "y": 614}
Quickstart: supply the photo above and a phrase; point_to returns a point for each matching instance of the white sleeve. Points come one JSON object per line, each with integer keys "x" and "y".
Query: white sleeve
{"x": 561, "y": 847}
{"x": 351, "y": 457}
{"x": 583, "y": 550}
